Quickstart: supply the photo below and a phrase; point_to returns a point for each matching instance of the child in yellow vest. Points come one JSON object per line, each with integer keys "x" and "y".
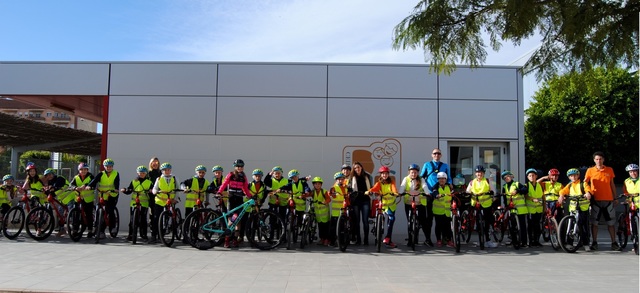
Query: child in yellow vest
{"x": 414, "y": 185}
{"x": 632, "y": 184}
{"x": 480, "y": 186}
{"x": 551, "y": 188}
{"x": 107, "y": 182}
{"x": 321, "y": 201}
{"x": 80, "y": 183}
{"x": 8, "y": 192}
{"x": 534, "y": 205}
{"x": 141, "y": 187}
{"x": 300, "y": 190}
{"x": 163, "y": 189}
{"x": 442, "y": 210}
{"x": 515, "y": 191}
{"x": 576, "y": 188}
{"x": 387, "y": 189}
{"x": 195, "y": 188}
{"x": 339, "y": 193}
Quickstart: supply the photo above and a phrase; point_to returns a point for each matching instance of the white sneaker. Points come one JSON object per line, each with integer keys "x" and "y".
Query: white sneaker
{"x": 490, "y": 244}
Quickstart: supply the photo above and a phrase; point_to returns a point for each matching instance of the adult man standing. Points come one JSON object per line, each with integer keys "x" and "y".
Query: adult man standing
{"x": 599, "y": 184}
{"x": 429, "y": 172}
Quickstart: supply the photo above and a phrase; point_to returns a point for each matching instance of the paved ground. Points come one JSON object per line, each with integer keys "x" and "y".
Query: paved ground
{"x": 58, "y": 264}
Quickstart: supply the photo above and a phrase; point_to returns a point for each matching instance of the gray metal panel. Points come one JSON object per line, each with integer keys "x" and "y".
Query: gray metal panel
{"x": 377, "y": 117}
{"x": 272, "y": 80}
{"x": 271, "y": 116}
{"x": 480, "y": 83}
{"x": 54, "y": 79}
{"x": 164, "y": 79}
{"x": 479, "y": 119}
{"x": 382, "y": 82}
{"x": 162, "y": 115}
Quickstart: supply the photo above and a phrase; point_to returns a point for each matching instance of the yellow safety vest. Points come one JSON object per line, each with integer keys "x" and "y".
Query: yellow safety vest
{"x": 191, "y": 197}
{"x": 575, "y": 190}
{"x": 442, "y": 205}
{"x": 284, "y": 197}
{"x": 518, "y": 199}
{"x": 257, "y": 194}
{"x": 388, "y": 199}
{"x": 422, "y": 200}
{"x": 107, "y": 182}
{"x": 297, "y": 189}
{"x": 481, "y": 187}
{"x": 534, "y": 192}
{"x": 142, "y": 189}
{"x": 336, "y": 203}
{"x": 552, "y": 190}
{"x": 36, "y": 190}
{"x": 5, "y": 192}
{"x": 87, "y": 195}
{"x": 161, "y": 198}
{"x": 633, "y": 188}
{"x": 322, "y": 210}
{"x": 63, "y": 195}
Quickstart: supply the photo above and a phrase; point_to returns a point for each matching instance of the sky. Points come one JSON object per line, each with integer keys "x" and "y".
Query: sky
{"x": 351, "y": 31}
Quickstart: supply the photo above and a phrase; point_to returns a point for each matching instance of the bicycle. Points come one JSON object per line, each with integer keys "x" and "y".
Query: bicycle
{"x": 549, "y": 223}
{"x": 474, "y": 218}
{"x": 628, "y": 222}
{"x": 190, "y": 224}
{"x": 13, "y": 221}
{"x": 264, "y": 228}
{"x": 343, "y": 227}
{"x": 507, "y": 221}
{"x": 77, "y": 220}
{"x": 136, "y": 218}
{"x": 309, "y": 224}
{"x": 170, "y": 220}
{"x": 569, "y": 228}
{"x": 413, "y": 224}
{"x": 380, "y": 219}
{"x": 102, "y": 217}
{"x": 41, "y": 219}
{"x": 457, "y": 227}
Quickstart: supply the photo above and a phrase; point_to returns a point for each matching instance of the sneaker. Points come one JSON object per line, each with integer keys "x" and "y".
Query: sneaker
{"x": 61, "y": 232}
{"x": 523, "y": 245}
{"x": 450, "y": 244}
{"x": 439, "y": 243}
{"x": 587, "y": 248}
{"x": 390, "y": 244}
{"x": 38, "y": 233}
{"x": 102, "y": 235}
{"x": 491, "y": 244}
{"x": 386, "y": 240}
{"x": 428, "y": 243}
{"x": 114, "y": 231}
{"x": 90, "y": 235}
{"x": 235, "y": 243}
{"x": 594, "y": 245}
{"x": 615, "y": 246}
{"x": 226, "y": 242}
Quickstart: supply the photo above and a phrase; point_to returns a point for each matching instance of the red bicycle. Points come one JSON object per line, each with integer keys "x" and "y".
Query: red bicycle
{"x": 170, "y": 221}
{"x": 41, "y": 221}
{"x": 473, "y": 220}
{"x": 506, "y": 221}
{"x": 102, "y": 218}
{"x": 77, "y": 221}
{"x": 628, "y": 222}
{"x": 549, "y": 223}
{"x": 13, "y": 220}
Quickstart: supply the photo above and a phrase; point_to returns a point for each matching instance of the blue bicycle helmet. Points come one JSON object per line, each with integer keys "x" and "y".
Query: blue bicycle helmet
{"x": 414, "y": 167}
{"x": 479, "y": 168}
{"x": 142, "y": 169}
{"x": 506, "y": 173}
{"x": 257, "y": 172}
{"x": 83, "y": 166}
{"x": 277, "y": 169}
{"x": 165, "y": 165}
{"x": 7, "y": 177}
{"x": 49, "y": 171}
{"x": 338, "y": 176}
{"x": 217, "y": 168}
{"x": 238, "y": 163}
{"x": 293, "y": 173}
{"x": 573, "y": 171}
{"x": 201, "y": 168}
{"x": 531, "y": 170}
{"x": 108, "y": 162}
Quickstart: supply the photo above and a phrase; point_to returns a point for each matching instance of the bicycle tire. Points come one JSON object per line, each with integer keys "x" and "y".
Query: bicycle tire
{"x": 466, "y": 226}
{"x": 264, "y": 230}
{"x": 313, "y": 229}
{"x": 304, "y": 231}
{"x": 546, "y": 233}
{"x": 198, "y": 237}
{"x": 41, "y": 219}
{"x": 290, "y": 229}
{"x": 553, "y": 235}
{"x": 13, "y": 222}
{"x": 99, "y": 223}
{"x": 480, "y": 224}
{"x": 498, "y": 226}
{"x": 412, "y": 232}
{"x": 455, "y": 227}
{"x": 343, "y": 233}
{"x": 166, "y": 228}
{"x": 178, "y": 225}
{"x": 379, "y": 227}
{"x": 635, "y": 223}
{"x": 134, "y": 225}
{"x": 623, "y": 231}
{"x": 75, "y": 226}
{"x": 514, "y": 231}
{"x": 116, "y": 223}
{"x": 567, "y": 238}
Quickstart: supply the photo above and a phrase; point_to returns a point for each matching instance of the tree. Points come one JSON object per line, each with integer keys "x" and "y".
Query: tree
{"x": 576, "y": 35}
{"x": 576, "y": 114}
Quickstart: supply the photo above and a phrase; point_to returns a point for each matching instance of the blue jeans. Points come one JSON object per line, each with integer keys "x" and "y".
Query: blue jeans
{"x": 392, "y": 220}
{"x": 361, "y": 214}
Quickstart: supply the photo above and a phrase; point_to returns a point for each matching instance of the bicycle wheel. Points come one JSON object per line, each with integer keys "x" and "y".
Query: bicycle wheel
{"x": 264, "y": 230}
{"x": 343, "y": 233}
{"x": 623, "y": 231}
{"x": 546, "y": 233}
{"x": 135, "y": 219}
{"x": 99, "y": 223}
{"x": 197, "y": 226}
{"x": 179, "y": 223}
{"x": 567, "y": 236}
{"x": 13, "y": 222}
{"x": 498, "y": 226}
{"x": 290, "y": 229}
{"x": 455, "y": 228}
{"x": 466, "y": 226}
{"x": 480, "y": 223}
{"x": 514, "y": 231}
{"x": 75, "y": 226}
{"x": 313, "y": 228}
{"x": 304, "y": 231}
{"x": 553, "y": 234}
{"x": 40, "y": 223}
{"x": 379, "y": 231}
{"x": 635, "y": 223}
{"x": 166, "y": 228}
{"x": 115, "y": 222}
{"x": 412, "y": 230}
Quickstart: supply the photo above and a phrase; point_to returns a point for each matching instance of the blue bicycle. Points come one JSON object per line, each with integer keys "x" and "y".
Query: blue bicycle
{"x": 207, "y": 228}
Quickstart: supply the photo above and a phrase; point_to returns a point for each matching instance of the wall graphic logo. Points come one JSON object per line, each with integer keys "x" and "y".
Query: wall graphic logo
{"x": 381, "y": 153}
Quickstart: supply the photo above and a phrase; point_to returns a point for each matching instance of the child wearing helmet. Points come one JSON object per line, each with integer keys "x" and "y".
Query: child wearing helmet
{"x": 277, "y": 201}
{"x": 632, "y": 185}
{"x": 441, "y": 210}
{"x": 321, "y": 201}
{"x": 163, "y": 189}
{"x": 516, "y": 191}
{"x": 237, "y": 186}
{"x": 480, "y": 186}
{"x": 216, "y": 181}
{"x": 300, "y": 190}
{"x": 413, "y": 185}
{"x": 388, "y": 191}
{"x": 58, "y": 187}
{"x": 577, "y": 188}
{"x": 534, "y": 205}
{"x": 339, "y": 193}
{"x": 141, "y": 185}
{"x": 195, "y": 188}
{"x": 551, "y": 188}
{"x": 107, "y": 182}
{"x": 8, "y": 191}
{"x": 257, "y": 187}
{"x": 33, "y": 183}
{"x": 79, "y": 183}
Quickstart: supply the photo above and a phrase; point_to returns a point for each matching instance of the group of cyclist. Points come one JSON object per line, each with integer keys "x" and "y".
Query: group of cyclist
{"x": 429, "y": 187}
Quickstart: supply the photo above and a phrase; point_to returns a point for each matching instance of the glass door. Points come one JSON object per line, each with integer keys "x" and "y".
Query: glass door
{"x": 464, "y": 157}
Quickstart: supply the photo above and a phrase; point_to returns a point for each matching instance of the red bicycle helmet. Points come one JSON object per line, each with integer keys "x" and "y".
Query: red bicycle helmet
{"x": 383, "y": 169}
{"x": 31, "y": 166}
{"x": 554, "y": 171}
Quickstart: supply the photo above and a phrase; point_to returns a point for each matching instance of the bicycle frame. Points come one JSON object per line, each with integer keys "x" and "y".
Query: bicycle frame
{"x": 229, "y": 228}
